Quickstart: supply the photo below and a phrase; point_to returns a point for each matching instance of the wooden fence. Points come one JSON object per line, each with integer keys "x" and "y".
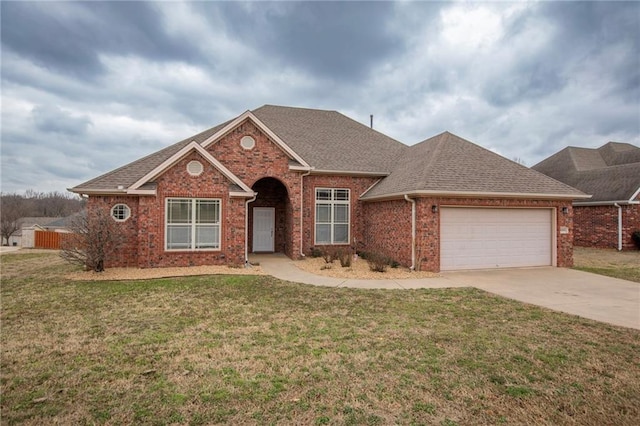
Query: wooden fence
{"x": 49, "y": 239}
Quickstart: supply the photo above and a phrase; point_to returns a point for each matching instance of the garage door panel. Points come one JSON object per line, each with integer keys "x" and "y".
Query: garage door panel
{"x": 473, "y": 238}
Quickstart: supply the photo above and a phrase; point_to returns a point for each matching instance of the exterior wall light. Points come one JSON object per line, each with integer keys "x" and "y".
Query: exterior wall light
{"x": 434, "y": 209}
{"x": 565, "y": 210}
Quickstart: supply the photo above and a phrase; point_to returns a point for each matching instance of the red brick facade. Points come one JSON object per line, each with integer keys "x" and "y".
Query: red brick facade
{"x": 597, "y": 226}
{"x": 383, "y": 226}
{"x": 388, "y": 227}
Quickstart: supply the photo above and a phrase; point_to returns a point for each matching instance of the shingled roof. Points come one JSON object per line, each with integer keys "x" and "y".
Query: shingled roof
{"x": 330, "y": 142}
{"x": 610, "y": 173}
{"x": 447, "y": 164}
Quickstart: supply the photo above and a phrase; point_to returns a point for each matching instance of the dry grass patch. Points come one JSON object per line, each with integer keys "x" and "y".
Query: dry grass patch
{"x": 256, "y": 350}
{"x": 610, "y": 262}
{"x": 359, "y": 269}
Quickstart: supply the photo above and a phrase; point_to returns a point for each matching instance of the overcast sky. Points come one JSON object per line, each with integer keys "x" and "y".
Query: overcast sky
{"x": 90, "y": 86}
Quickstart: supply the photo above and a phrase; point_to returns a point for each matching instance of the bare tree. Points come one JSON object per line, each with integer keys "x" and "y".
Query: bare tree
{"x": 94, "y": 238}
{"x": 12, "y": 210}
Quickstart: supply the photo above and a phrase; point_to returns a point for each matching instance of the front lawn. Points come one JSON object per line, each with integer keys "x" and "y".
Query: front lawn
{"x": 256, "y": 350}
{"x": 610, "y": 262}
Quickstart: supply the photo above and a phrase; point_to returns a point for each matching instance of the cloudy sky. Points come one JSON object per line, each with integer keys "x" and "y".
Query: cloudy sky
{"x": 90, "y": 86}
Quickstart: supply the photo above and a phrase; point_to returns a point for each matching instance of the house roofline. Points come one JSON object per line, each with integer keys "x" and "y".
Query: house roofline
{"x": 249, "y": 115}
{"x": 470, "y": 194}
{"x": 348, "y": 173}
{"x": 605, "y": 203}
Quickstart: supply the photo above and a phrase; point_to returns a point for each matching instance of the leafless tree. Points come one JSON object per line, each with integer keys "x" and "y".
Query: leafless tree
{"x": 12, "y": 210}
{"x": 94, "y": 238}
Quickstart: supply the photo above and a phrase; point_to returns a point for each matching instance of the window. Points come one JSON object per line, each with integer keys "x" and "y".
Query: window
{"x": 332, "y": 216}
{"x": 120, "y": 212}
{"x": 193, "y": 224}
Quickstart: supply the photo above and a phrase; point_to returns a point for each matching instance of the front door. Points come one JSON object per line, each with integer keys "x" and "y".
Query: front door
{"x": 263, "y": 228}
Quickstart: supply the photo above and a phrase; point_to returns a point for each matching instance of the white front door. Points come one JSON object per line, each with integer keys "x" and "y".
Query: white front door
{"x": 263, "y": 228}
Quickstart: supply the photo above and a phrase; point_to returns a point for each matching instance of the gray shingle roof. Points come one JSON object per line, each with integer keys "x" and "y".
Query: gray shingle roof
{"x": 609, "y": 173}
{"x": 328, "y": 140}
{"x": 448, "y": 163}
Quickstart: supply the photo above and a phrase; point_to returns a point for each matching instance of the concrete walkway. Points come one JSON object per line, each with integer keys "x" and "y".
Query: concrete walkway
{"x": 592, "y": 296}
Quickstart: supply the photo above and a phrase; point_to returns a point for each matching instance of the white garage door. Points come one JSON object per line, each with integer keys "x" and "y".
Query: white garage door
{"x": 474, "y": 238}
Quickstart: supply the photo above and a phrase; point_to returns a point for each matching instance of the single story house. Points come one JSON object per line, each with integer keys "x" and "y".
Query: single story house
{"x": 283, "y": 179}
{"x": 611, "y": 174}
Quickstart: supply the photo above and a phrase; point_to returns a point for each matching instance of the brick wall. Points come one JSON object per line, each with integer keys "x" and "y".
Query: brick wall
{"x": 388, "y": 228}
{"x": 265, "y": 160}
{"x": 125, "y": 254}
{"x": 597, "y": 226}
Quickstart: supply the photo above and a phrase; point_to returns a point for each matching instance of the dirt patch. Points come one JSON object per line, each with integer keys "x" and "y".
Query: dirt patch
{"x": 359, "y": 270}
{"x": 584, "y": 257}
{"x": 116, "y": 274}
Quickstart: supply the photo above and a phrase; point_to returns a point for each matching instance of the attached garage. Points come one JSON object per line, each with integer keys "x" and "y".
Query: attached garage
{"x": 485, "y": 238}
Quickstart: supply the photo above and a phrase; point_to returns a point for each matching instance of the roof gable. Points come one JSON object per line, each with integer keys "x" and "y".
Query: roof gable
{"x": 248, "y": 115}
{"x": 169, "y": 162}
{"x": 447, "y": 164}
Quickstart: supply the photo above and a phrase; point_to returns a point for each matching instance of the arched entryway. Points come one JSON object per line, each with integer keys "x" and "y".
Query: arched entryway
{"x": 270, "y": 218}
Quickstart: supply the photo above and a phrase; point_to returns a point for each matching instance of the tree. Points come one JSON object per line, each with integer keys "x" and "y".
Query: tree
{"x": 12, "y": 210}
{"x": 94, "y": 238}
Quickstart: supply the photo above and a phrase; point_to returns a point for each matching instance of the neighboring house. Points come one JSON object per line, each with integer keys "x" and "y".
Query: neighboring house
{"x": 281, "y": 179}
{"x": 611, "y": 174}
{"x": 24, "y": 237}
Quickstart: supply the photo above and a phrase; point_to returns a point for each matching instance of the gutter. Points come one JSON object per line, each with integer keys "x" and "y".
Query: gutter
{"x": 413, "y": 231}
{"x": 619, "y": 225}
{"x": 246, "y": 229}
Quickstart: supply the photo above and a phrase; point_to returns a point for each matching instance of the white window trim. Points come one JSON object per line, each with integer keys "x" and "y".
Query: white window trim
{"x": 128, "y": 212}
{"x": 192, "y": 223}
{"x": 332, "y": 224}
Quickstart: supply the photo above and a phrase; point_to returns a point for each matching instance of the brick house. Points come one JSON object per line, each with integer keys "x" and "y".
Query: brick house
{"x": 281, "y": 179}
{"x": 611, "y": 174}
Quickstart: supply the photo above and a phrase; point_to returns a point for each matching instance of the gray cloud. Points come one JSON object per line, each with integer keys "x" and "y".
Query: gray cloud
{"x": 69, "y": 37}
{"x": 52, "y": 119}
{"x": 93, "y": 85}
{"x": 331, "y": 40}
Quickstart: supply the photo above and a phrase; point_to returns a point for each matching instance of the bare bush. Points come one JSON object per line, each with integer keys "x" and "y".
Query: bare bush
{"x": 378, "y": 262}
{"x": 94, "y": 238}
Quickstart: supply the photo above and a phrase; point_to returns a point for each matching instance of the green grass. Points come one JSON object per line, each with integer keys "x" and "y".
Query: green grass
{"x": 625, "y": 273}
{"x": 256, "y": 350}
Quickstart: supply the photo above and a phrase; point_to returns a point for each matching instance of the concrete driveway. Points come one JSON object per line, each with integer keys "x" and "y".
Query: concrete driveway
{"x": 597, "y": 297}
{"x": 592, "y": 296}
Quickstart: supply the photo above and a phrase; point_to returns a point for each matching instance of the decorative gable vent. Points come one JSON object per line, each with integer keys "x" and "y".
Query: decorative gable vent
{"x": 195, "y": 168}
{"x": 247, "y": 142}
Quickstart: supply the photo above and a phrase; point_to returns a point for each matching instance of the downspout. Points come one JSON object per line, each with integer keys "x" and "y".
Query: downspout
{"x": 413, "y": 231}
{"x": 302, "y": 210}
{"x": 246, "y": 229}
{"x": 619, "y": 225}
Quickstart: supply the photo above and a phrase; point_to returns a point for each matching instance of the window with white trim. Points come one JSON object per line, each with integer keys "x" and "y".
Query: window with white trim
{"x": 332, "y": 216}
{"x": 192, "y": 224}
{"x": 120, "y": 212}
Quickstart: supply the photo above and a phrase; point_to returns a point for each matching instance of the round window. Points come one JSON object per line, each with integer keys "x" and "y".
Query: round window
{"x": 120, "y": 212}
{"x": 195, "y": 168}
{"x": 247, "y": 142}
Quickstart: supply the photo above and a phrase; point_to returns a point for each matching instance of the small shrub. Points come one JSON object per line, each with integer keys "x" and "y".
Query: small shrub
{"x": 377, "y": 262}
{"x": 316, "y": 252}
{"x": 636, "y": 238}
{"x": 344, "y": 255}
{"x": 328, "y": 254}
{"x": 394, "y": 264}
{"x": 325, "y": 266}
